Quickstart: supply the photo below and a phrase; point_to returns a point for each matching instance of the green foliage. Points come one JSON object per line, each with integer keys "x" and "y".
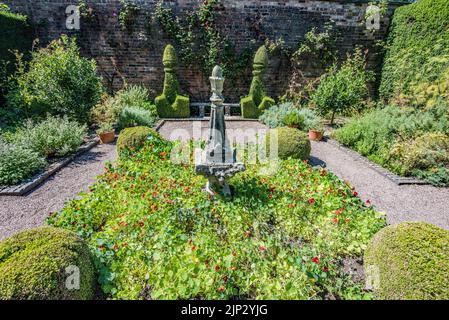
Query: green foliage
{"x": 16, "y": 35}
{"x": 200, "y": 41}
{"x": 343, "y": 89}
{"x": 33, "y": 266}
{"x": 56, "y": 81}
{"x": 249, "y": 108}
{"x": 132, "y": 139}
{"x": 52, "y": 137}
{"x": 274, "y": 117}
{"x": 133, "y": 96}
{"x": 417, "y": 59}
{"x": 170, "y": 104}
{"x": 257, "y": 102}
{"x": 294, "y": 119}
{"x": 132, "y": 116}
{"x": 410, "y": 261}
{"x": 128, "y": 13}
{"x": 104, "y": 128}
{"x": 18, "y": 163}
{"x": 290, "y": 143}
{"x": 403, "y": 140}
{"x": 318, "y": 49}
{"x": 156, "y": 235}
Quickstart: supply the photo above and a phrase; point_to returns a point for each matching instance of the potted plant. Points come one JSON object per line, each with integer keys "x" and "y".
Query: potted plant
{"x": 316, "y": 131}
{"x": 106, "y": 133}
{"x": 294, "y": 120}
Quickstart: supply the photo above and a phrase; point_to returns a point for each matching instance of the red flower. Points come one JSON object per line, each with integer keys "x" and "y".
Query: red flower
{"x": 262, "y": 248}
{"x": 311, "y": 201}
{"x": 355, "y": 193}
{"x": 221, "y": 289}
{"x": 315, "y": 260}
{"x": 368, "y": 202}
{"x": 326, "y": 269}
{"x": 217, "y": 268}
{"x": 141, "y": 224}
{"x": 225, "y": 279}
{"x": 115, "y": 248}
{"x": 347, "y": 220}
{"x": 323, "y": 173}
{"x": 291, "y": 205}
{"x": 193, "y": 248}
{"x": 335, "y": 220}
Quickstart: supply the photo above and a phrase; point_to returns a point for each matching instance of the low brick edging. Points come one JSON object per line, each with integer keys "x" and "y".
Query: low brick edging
{"x": 30, "y": 184}
{"x": 379, "y": 169}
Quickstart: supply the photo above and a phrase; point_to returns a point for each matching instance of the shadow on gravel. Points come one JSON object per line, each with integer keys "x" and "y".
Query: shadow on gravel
{"x": 317, "y": 162}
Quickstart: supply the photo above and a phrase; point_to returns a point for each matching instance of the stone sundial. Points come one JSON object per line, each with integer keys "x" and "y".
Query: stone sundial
{"x": 219, "y": 163}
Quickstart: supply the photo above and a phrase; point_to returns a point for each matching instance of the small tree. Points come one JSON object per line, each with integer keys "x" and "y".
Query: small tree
{"x": 345, "y": 88}
{"x": 58, "y": 81}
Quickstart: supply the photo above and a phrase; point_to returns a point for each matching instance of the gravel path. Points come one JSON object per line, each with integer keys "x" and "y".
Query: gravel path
{"x": 401, "y": 203}
{"x": 20, "y": 213}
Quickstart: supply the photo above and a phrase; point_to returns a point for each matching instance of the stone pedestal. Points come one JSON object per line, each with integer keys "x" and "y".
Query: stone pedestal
{"x": 219, "y": 163}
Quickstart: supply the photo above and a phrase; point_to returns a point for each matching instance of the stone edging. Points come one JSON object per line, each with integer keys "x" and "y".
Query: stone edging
{"x": 25, "y": 187}
{"x": 381, "y": 170}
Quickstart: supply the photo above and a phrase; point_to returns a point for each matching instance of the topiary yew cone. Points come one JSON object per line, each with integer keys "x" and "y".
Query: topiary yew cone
{"x": 170, "y": 104}
{"x": 256, "y": 102}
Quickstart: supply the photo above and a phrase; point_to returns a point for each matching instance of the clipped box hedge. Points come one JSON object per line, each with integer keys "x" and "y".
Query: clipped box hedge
{"x": 409, "y": 261}
{"x": 417, "y": 61}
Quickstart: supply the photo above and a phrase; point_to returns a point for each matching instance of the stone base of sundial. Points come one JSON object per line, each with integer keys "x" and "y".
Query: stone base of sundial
{"x": 218, "y": 175}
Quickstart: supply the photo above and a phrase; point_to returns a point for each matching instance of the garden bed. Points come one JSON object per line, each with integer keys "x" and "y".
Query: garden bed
{"x": 54, "y": 166}
{"x": 155, "y": 234}
{"x": 379, "y": 169}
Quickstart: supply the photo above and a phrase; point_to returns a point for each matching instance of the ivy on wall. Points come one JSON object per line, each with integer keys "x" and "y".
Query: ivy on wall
{"x": 200, "y": 42}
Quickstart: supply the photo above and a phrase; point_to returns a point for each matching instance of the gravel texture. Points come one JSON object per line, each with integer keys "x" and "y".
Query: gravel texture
{"x": 20, "y": 213}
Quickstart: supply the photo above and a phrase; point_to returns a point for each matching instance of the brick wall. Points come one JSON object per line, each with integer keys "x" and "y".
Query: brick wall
{"x": 137, "y": 54}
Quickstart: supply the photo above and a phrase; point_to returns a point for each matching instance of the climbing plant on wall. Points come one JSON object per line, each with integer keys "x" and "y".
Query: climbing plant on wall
{"x": 199, "y": 40}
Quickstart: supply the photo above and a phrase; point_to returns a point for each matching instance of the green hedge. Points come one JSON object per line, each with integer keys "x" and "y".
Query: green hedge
{"x": 33, "y": 265}
{"x": 16, "y": 34}
{"x": 416, "y": 66}
{"x": 292, "y": 143}
{"x": 409, "y": 261}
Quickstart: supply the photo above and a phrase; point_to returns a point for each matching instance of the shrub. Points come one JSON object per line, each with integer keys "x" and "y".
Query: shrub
{"x": 416, "y": 64}
{"x": 257, "y": 101}
{"x": 132, "y": 139}
{"x": 294, "y": 119}
{"x": 52, "y": 137}
{"x": 274, "y": 116}
{"x": 291, "y": 143}
{"x": 170, "y": 104}
{"x": 16, "y": 35}
{"x": 396, "y": 137}
{"x": 18, "y": 163}
{"x": 131, "y": 117}
{"x": 281, "y": 236}
{"x": 36, "y": 264}
{"x": 110, "y": 108}
{"x": 423, "y": 153}
{"x": 343, "y": 89}
{"x": 56, "y": 81}
{"x": 410, "y": 261}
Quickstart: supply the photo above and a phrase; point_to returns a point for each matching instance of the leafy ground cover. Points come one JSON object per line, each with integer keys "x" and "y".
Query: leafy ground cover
{"x": 155, "y": 234}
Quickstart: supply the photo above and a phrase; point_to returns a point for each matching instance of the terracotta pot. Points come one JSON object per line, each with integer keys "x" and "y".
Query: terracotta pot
{"x": 107, "y": 137}
{"x": 315, "y": 135}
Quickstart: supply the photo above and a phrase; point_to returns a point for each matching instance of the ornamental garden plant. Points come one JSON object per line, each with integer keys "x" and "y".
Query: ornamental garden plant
{"x": 154, "y": 234}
